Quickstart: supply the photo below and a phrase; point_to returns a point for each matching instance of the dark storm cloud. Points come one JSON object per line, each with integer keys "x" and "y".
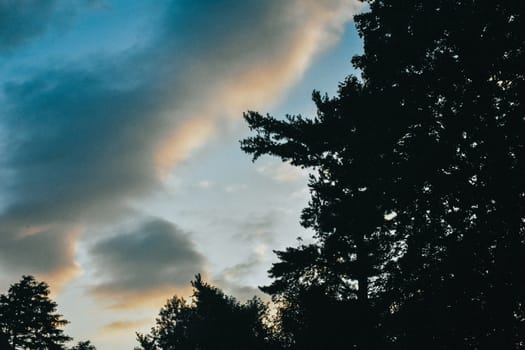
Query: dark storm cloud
{"x": 80, "y": 142}
{"x": 153, "y": 255}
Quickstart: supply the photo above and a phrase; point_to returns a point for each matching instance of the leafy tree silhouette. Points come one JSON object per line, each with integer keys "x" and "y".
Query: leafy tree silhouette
{"x": 28, "y": 318}
{"x": 455, "y": 90}
{"x": 212, "y": 320}
{"x": 350, "y": 197}
{"x": 347, "y": 212}
{"x": 4, "y": 341}
{"x": 418, "y": 192}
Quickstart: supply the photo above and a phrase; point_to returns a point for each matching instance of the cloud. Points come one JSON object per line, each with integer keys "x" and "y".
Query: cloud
{"x": 205, "y": 184}
{"x": 98, "y": 4}
{"x": 282, "y": 172}
{"x": 258, "y": 229}
{"x": 191, "y": 135}
{"x": 85, "y": 140}
{"x": 47, "y": 252}
{"x": 21, "y": 21}
{"x": 239, "y": 290}
{"x": 153, "y": 257}
{"x": 76, "y": 144}
{"x": 230, "y": 279}
{"x": 121, "y": 326}
{"x": 256, "y": 233}
{"x": 233, "y": 188}
{"x": 238, "y": 271}
{"x": 78, "y": 147}
{"x": 248, "y": 54}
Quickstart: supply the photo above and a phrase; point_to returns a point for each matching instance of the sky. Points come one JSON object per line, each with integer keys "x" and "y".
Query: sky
{"x": 120, "y": 165}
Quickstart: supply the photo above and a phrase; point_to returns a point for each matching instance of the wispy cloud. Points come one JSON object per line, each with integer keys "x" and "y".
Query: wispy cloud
{"x": 257, "y": 229}
{"x": 282, "y": 172}
{"x": 256, "y": 233}
{"x": 124, "y": 326}
{"x": 205, "y": 184}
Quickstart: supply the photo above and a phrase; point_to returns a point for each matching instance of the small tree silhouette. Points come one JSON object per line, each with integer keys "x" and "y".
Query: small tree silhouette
{"x": 212, "y": 320}
{"x": 28, "y": 318}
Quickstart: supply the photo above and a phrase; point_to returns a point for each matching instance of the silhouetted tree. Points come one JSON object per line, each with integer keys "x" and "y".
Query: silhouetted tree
{"x": 455, "y": 91}
{"x": 28, "y": 317}
{"x": 315, "y": 307}
{"x": 419, "y": 193}
{"x": 212, "y": 320}
{"x": 4, "y": 342}
{"x": 347, "y": 209}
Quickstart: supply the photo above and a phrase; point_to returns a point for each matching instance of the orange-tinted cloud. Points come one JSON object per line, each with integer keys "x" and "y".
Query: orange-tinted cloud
{"x": 48, "y": 252}
{"x": 124, "y": 326}
{"x": 252, "y": 81}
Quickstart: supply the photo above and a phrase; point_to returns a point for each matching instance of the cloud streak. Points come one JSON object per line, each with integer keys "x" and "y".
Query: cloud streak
{"x": 124, "y": 326}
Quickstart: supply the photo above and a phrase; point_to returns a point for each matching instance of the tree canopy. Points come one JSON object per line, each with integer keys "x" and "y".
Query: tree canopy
{"x": 418, "y": 197}
{"x": 28, "y": 317}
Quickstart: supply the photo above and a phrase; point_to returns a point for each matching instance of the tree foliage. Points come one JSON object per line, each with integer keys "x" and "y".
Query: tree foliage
{"x": 28, "y": 318}
{"x": 418, "y": 199}
{"x": 211, "y": 320}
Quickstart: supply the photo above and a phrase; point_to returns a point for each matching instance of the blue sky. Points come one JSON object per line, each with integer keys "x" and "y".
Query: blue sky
{"x": 120, "y": 163}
